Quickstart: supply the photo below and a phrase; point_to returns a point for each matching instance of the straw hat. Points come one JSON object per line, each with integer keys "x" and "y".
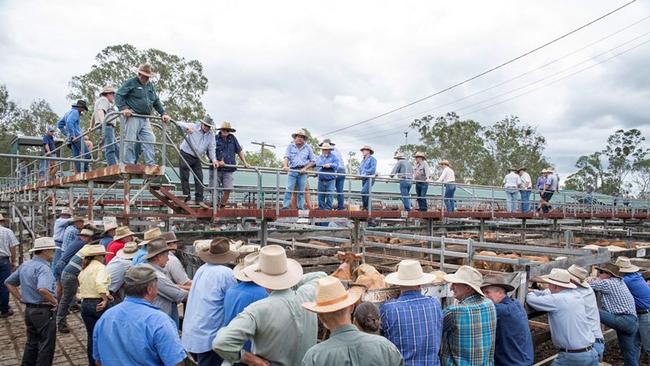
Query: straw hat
{"x": 155, "y": 247}
{"x": 559, "y": 277}
{"x": 2, "y": 218}
{"x": 331, "y": 296}
{"x": 107, "y": 90}
{"x": 625, "y": 266}
{"x": 250, "y": 259}
{"x": 208, "y": 121}
{"x": 122, "y": 232}
{"x": 128, "y": 251}
{"x": 496, "y": 280}
{"x": 327, "y": 141}
{"x": 444, "y": 162}
{"x": 86, "y": 232}
{"x": 609, "y": 268}
{"x": 300, "y": 132}
{"x": 399, "y": 156}
{"x": 94, "y": 250}
{"x": 545, "y": 171}
{"x": 578, "y": 275}
{"x": 66, "y": 211}
{"x": 467, "y": 276}
{"x": 420, "y": 154}
{"x": 150, "y": 235}
{"x": 274, "y": 270}
{"x": 77, "y": 218}
{"x": 145, "y": 69}
{"x": 226, "y": 126}
{"x": 409, "y": 273}
{"x": 367, "y": 147}
{"x": 326, "y": 146}
{"x": 218, "y": 252}
{"x": 43, "y": 243}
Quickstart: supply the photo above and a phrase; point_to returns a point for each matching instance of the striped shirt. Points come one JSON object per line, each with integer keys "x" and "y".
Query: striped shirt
{"x": 7, "y": 241}
{"x": 469, "y": 332}
{"x": 617, "y": 298}
{"x": 413, "y": 323}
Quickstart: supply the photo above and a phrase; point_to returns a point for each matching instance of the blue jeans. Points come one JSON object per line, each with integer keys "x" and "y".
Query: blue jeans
{"x": 296, "y": 182}
{"x": 139, "y": 129}
{"x": 43, "y": 169}
{"x": 111, "y": 149}
{"x": 512, "y": 196}
{"x": 644, "y": 332}
{"x": 325, "y": 193}
{"x": 340, "y": 198}
{"x": 421, "y": 193}
{"x": 525, "y": 200}
{"x": 450, "y": 203}
{"x": 90, "y": 316}
{"x": 79, "y": 151}
{"x": 57, "y": 255}
{"x": 546, "y": 196}
{"x": 405, "y": 193}
{"x": 627, "y": 333}
{"x": 5, "y": 271}
{"x": 589, "y": 358}
{"x": 600, "y": 349}
{"x": 365, "y": 189}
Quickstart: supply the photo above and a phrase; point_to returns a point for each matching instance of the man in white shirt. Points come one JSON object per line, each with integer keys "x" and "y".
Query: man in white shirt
{"x": 524, "y": 189}
{"x": 448, "y": 178}
{"x": 104, "y": 105}
{"x": 511, "y": 183}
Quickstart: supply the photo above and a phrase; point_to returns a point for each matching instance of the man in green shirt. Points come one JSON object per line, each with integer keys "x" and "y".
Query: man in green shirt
{"x": 346, "y": 345}
{"x": 138, "y": 96}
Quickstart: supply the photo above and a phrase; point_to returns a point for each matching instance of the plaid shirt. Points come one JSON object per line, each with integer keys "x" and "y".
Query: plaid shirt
{"x": 413, "y": 323}
{"x": 617, "y": 298}
{"x": 469, "y": 332}
{"x": 69, "y": 235}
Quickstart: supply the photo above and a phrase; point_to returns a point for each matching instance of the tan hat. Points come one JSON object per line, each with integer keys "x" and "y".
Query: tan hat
{"x": 2, "y": 218}
{"x": 399, "y": 156}
{"x": 110, "y": 223}
{"x": 155, "y": 247}
{"x": 444, "y": 162}
{"x": 327, "y": 141}
{"x": 170, "y": 237}
{"x": 409, "y": 273}
{"x": 128, "y": 251}
{"x": 140, "y": 274}
{"x": 420, "y": 154}
{"x": 77, "y": 218}
{"x": 300, "y": 132}
{"x": 86, "y": 232}
{"x": 274, "y": 270}
{"x": 326, "y": 146}
{"x": 559, "y": 277}
{"x": 496, "y": 280}
{"x": 367, "y": 147}
{"x": 107, "y": 90}
{"x": 150, "y": 235}
{"x": 578, "y": 275}
{"x": 468, "y": 276}
{"x": 94, "y": 250}
{"x": 43, "y": 243}
{"x": 250, "y": 259}
{"x": 625, "y": 266}
{"x": 226, "y": 126}
{"x": 545, "y": 171}
{"x": 122, "y": 232}
{"x": 609, "y": 268}
{"x": 145, "y": 69}
{"x": 66, "y": 211}
{"x": 218, "y": 252}
{"x": 331, "y": 296}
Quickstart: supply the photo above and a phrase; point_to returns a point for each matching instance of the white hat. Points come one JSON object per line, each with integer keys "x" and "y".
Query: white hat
{"x": 43, "y": 243}
{"x": 559, "y": 277}
{"x": 578, "y": 275}
{"x": 409, "y": 273}
{"x": 238, "y": 271}
{"x": 274, "y": 270}
{"x": 468, "y": 276}
{"x": 625, "y": 266}
{"x": 331, "y": 296}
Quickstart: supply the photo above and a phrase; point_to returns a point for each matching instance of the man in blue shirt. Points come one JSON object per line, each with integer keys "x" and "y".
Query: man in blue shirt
{"x": 135, "y": 332}
{"x": 326, "y": 163}
{"x": 513, "y": 344}
{"x": 298, "y": 158}
{"x": 367, "y": 168}
{"x": 340, "y": 179}
{"x": 403, "y": 169}
{"x": 70, "y": 126}
{"x": 227, "y": 148}
{"x": 641, "y": 292}
{"x": 37, "y": 293}
{"x": 550, "y": 186}
{"x": 48, "y": 147}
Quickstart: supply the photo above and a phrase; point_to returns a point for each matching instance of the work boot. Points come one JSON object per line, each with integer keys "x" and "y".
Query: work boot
{"x": 63, "y": 328}
{"x": 204, "y": 205}
{"x": 7, "y": 314}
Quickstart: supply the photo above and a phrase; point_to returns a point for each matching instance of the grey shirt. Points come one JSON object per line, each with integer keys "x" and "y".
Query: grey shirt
{"x": 175, "y": 271}
{"x": 421, "y": 171}
{"x": 7, "y": 241}
{"x": 201, "y": 142}
{"x": 117, "y": 268}
{"x": 591, "y": 310}
{"x": 403, "y": 169}
{"x": 169, "y": 294}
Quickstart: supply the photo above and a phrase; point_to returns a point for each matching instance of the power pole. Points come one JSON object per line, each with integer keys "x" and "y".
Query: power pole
{"x": 351, "y": 154}
{"x": 406, "y": 137}
{"x": 262, "y": 144}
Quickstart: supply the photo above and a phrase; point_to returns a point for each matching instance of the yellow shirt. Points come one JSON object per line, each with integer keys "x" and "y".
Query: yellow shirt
{"x": 94, "y": 280}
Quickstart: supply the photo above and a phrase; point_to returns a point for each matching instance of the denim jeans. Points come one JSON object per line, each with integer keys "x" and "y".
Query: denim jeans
{"x": 90, "y": 316}
{"x": 450, "y": 203}
{"x": 57, "y": 255}
{"x": 512, "y": 196}
{"x": 405, "y": 193}
{"x": 525, "y": 200}
{"x": 325, "y": 193}
{"x": 627, "y": 333}
{"x": 296, "y": 182}
{"x": 365, "y": 189}
{"x": 644, "y": 332}
{"x": 111, "y": 148}
{"x": 139, "y": 129}
{"x": 5, "y": 271}
{"x": 70, "y": 285}
{"x": 589, "y": 358}
{"x": 421, "y": 193}
{"x": 79, "y": 151}
{"x": 340, "y": 185}
{"x": 208, "y": 358}
{"x": 44, "y": 168}
{"x": 546, "y": 196}
{"x": 600, "y": 349}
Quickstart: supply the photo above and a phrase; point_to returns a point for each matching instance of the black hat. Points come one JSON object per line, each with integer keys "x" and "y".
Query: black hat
{"x": 81, "y": 104}
{"x": 326, "y": 141}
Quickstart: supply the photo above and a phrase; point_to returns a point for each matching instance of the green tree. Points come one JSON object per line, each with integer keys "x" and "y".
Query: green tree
{"x": 269, "y": 159}
{"x": 642, "y": 178}
{"x": 312, "y": 141}
{"x": 624, "y": 151}
{"x": 591, "y": 172}
{"x": 353, "y": 163}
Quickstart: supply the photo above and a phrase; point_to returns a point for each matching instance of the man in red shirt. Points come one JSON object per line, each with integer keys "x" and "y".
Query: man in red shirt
{"x": 122, "y": 236}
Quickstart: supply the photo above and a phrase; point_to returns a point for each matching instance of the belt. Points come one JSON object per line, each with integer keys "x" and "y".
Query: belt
{"x": 600, "y": 340}
{"x": 644, "y": 311}
{"x": 92, "y": 299}
{"x": 39, "y": 306}
{"x": 579, "y": 350}
{"x": 297, "y": 167}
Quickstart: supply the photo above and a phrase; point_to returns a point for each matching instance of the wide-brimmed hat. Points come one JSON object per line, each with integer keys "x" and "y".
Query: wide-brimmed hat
{"x": 122, "y": 232}
{"x": 399, "y": 156}
{"x": 326, "y": 146}
{"x": 559, "y": 277}
{"x": 140, "y": 274}
{"x": 66, "y": 211}
{"x": 367, "y": 147}
{"x": 2, "y": 218}
{"x": 155, "y": 247}
{"x": 300, "y": 132}
{"x": 249, "y": 260}
{"x": 226, "y": 126}
{"x": 327, "y": 141}
{"x": 609, "y": 268}
{"x": 77, "y": 218}
{"x": 218, "y": 252}
{"x": 578, "y": 275}
{"x": 625, "y": 266}
{"x": 94, "y": 250}
{"x": 169, "y": 237}
{"x": 81, "y": 104}
{"x": 409, "y": 273}
{"x": 522, "y": 168}
{"x": 109, "y": 223}
{"x": 150, "y": 235}
{"x": 468, "y": 276}
{"x": 274, "y": 270}
{"x": 208, "y": 121}
{"x": 420, "y": 154}
{"x": 86, "y": 232}
{"x": 146, "y": 69}
{"x": 107, "y": 90}
{"x": 128, "y": 251}
{"x": 444, "y": 162}
{"x": 43, "y": 243}
{"x": 331, "y": 296}
{"x": 496, "y": 280}
{"x": 545, "y": 171}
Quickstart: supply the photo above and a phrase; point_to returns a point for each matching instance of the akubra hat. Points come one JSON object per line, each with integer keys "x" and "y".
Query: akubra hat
{"x": 444, "y": 162}
{"x": 140, "y": 274}
{"x": 625, "y": 266}
{"x": 218, "y": 252}
{"x": 95, "y": 250}
{"x": 300, "y": 132}
{"x": 122, "y": 232}
{"x": 86, "y": 232}
{"x": 107, "y": 90}
{"x": 469, "y": 276}
{"x": 43, "y": 243}
{"x": 578, "y": 275}
{"x": 559, "y": 277}
{"x": 155, "y": 247}
{"x": 327, "y": 141}
{"x": 109, "y": 223}
{"x": 128, "y": 251}
{"x": 170, "y": 237}
{"x": 81, "y": 104}
{"x": 248, "y": 261}
{"x": 78, "y": 218}
{"x": 226, "y": 126}
{"x": 496, "y": 280}
{"x": 208, "y": 121}
{"x": 420, "y": 154}
{"x": 399, "y": 156}
{"x": 2, "y": 218}
{"x": 409, "y": 273}
{"x": 331, "y": 296}
{"x": 150, "y": 235}
{"x": 66, "y": 211}
{"x": 609, "y": 268}
{"x": 146, "y": 70}
{"x": 326, "y": 146}
{"x": 366, "y": 147}
{"x": 274, "y": 270}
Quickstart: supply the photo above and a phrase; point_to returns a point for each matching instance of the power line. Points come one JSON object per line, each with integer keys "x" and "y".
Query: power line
{"x": 484, "y": 72}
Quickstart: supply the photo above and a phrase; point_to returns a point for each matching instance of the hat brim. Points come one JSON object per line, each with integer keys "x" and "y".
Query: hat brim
{"x": 352, "y": 298}
{"x": 293, "y": 135}
{"x": 239, "y": 273}
{"x": 226, "y": 129}
{"x": 224, "y": 258}
{"x": 452, "y": 278}
{"x": 546, "y": 279}
{"x": 505, "y": 286}
{"x": 630, "y": 269}
{"x": 147, "y": 74}
{"x": 578, "y": 281}
{"x": 153, "y": 254}
{"x": 44, "y": 248}
{"x": 290, "y": 278}
{"x": 109, "y": 229}
{"x": 426, "y": 278}
{"x": 331, "y": 144}
{"x": 120, "y": 237}
{"x": 80, "y": 106}
{"x": 122, "y": 254}
{"x": 207, "y": 124}
{"x": 608, "y": 271}
{"x": 372, "y": 152}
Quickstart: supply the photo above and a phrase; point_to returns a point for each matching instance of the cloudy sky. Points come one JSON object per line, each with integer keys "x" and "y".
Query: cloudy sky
{"x": 275, "y": 66}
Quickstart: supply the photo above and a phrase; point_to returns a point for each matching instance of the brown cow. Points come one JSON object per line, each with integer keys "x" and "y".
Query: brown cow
{"x": 368, "y": 275}
{"x": 344, "y": 272}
